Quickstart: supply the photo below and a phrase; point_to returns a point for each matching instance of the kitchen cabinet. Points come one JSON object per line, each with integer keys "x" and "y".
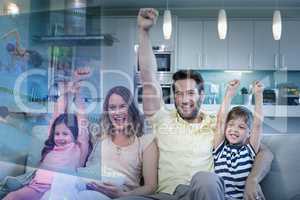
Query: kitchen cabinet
{"x": 290, "y": 46}
{"x": 190, "y": 54}
{"x": 117, "y": 61}
{"x": 157, "y": 36}
{"x": 266, "y": 49}
{"x": 199, "y": 46}
{"x": 249, "y": 45}
{"x": 214, "y": 49}
{"x": 240, "y": 44}
{"x": 120, "y": 54}
{"x": 39, "y": 23}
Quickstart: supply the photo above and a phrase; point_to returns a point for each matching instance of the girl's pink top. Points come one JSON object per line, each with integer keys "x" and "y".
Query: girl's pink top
{"x": 60, "y": 159}
{"x": 64, "y": 159}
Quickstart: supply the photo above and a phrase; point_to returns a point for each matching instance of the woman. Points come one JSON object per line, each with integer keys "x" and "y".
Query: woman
{"x": 124, "y": 148}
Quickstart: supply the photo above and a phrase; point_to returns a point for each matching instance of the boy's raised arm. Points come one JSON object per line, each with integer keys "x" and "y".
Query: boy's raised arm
{"x": 255, "y": 136}
{"x": 222, "y": 114}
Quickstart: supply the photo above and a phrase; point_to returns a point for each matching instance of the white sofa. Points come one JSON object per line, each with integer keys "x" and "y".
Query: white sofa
{"x": 13, "y": 150}
{"x": 283, "y": 181}
{"x": 22, "y": 153}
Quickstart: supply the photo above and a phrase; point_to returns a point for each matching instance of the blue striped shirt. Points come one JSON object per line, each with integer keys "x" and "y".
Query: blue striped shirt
{"x": 233, "y": 163}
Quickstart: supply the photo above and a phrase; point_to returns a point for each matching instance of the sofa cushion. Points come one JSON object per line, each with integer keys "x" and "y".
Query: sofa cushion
{"x": 13, "y": 150}
{"x": 39, "y": 136}
{"x": 283, "y": 180}
{"x": 12, "y": 165}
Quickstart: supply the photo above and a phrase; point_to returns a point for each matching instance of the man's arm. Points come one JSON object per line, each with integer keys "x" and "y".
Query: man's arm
{"x": 152, "y": 94}
{"x": 260, "y": 169}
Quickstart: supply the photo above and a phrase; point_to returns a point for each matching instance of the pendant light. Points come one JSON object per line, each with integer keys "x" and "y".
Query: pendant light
{"x": 222, "y": 24}
{"x": 167, "y": 24}
{"x": 12, "y": 9}
{"x": 277, "y": 25}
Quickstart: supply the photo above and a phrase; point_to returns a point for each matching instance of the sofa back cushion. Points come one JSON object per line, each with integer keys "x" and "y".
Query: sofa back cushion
{"x": 283, "y": 180}
{"x": 14, "y": 144}
{"x": 39, "y": 136}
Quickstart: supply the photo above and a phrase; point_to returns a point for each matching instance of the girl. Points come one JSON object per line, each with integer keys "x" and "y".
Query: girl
{"x": 237, "y": 140}
{"x": 124, "y": 149}
{"x": 65, "y": 150}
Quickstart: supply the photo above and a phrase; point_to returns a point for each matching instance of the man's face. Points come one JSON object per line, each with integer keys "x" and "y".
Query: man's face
{"x": 187, "y": 98}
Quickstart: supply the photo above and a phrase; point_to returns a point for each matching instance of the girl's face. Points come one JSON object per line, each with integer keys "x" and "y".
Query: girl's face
{"x": 118, "y": 112}
{"x": 237, "y": 131}
{"x": 62, "y": 135}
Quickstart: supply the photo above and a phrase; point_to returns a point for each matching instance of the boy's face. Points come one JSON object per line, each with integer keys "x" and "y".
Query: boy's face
{"x": 187, "y": 98}
{"x": 237, "y": 131}
{"x": 62, "y": 135}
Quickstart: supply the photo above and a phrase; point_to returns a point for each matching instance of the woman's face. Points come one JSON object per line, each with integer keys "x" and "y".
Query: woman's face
{"x": 62, "y": 135}
{"x": 118, "y": 112}
{"x": 237, "y": 131}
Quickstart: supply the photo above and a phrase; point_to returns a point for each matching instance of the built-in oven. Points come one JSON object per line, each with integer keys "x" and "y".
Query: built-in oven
{"x": 166, "y": 93}
{"x": 164, "y": 60}
{"x": 165, "y": 80}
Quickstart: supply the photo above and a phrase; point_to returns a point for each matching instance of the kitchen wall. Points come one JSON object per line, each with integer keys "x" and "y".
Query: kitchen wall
{"x": 10, "y": 69}
{"x": 270, "y": 79}
{"x": 34, "y": 21}
{"x": 9, "y": 23}
{"x": 118, "y": 61}
{"x": 49, "y": 19}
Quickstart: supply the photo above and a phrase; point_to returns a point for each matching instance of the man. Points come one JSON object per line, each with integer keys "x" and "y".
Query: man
{"x": 185, "y": 134}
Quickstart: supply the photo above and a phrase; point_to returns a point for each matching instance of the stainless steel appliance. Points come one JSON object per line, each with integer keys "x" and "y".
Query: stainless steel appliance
{"x": 166, "y": 90}
{"x": 75, "y": 17}
{"x": 79, "y": 23}
{"x": 270, "y": 96}
{"x": 164, "y": 59}
{"x": 288, "y": 94}
{"x": 165, "y": 80}
{"x": 164, "y": 72}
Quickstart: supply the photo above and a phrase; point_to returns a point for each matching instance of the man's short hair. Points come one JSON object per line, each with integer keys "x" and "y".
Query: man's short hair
{"x": 189, "y": 74}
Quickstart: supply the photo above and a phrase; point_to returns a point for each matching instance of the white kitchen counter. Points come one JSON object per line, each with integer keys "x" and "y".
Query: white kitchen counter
{"x": 269, "y": 110}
